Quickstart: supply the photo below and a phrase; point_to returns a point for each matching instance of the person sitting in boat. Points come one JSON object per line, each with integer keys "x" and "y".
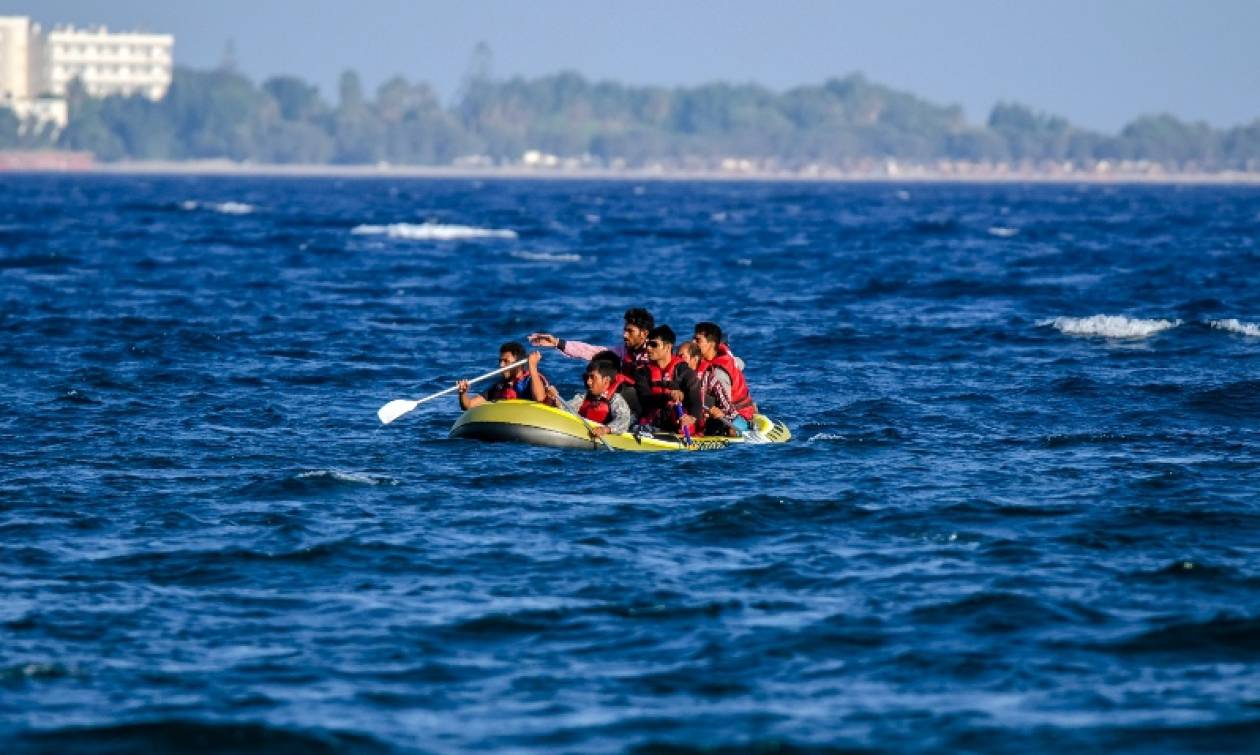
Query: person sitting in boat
{"x": 600, "y": 404}
{"x": 665, "y": 383}
{"x": 716, "y": 358}
{"x": 719, "y": 412}
{"x": 623, "y": 384}
{"x": 631, "y": 355}
{"x": 523, "y": 382}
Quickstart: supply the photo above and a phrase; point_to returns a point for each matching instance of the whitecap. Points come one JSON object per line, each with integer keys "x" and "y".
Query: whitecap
{"x": 1234, "y": 326}
{"x": 233, "y": 208}
{"x": 227, "y": 208}
{"x": 546, "y": 257}
{"x": 1002, "y": 232}
{"x": 358, "y": 478}
{"x": 432, "y": 232}
{"x": 1109, "y": 326}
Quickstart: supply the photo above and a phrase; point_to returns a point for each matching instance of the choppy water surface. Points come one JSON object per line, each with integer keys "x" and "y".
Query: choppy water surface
{"x": 1020, "y": 511}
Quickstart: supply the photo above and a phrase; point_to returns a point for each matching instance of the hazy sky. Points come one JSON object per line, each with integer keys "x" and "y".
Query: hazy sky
{"x": 1098, "y": 62}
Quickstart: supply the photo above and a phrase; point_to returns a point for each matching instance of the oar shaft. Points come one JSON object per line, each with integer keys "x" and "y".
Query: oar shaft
{"x": 477, "y": 379}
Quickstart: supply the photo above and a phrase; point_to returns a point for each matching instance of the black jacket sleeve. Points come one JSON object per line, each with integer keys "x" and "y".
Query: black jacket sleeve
{"x": 693, "y": 402}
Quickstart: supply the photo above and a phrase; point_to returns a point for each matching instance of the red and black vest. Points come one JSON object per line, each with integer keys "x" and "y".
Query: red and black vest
{"x": 631, "y": 361}
{"x": 740, "y": 396}
{"x": 598, "y": 408}
{"x": 507, "y": 389}
{"x": 662, "y": 379}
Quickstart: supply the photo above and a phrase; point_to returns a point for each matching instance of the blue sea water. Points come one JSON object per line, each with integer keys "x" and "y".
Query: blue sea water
{"x": 1019, "y": 512}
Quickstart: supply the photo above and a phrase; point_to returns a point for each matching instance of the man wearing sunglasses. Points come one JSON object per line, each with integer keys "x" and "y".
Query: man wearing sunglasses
{"x": 666, "y": 383}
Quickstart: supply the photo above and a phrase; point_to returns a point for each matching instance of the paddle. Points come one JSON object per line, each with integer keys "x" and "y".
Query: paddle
{"x": 585, "y": 423}
{"x": 686, "y": 431}
{"x": 398, "y": 407}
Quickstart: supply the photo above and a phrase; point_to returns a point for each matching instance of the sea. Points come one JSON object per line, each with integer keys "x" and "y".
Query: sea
{"x": 1019, "y": 511}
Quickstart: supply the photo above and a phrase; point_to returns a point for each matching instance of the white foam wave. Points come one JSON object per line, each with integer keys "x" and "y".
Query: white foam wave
{"x": 1234, "y": 326}
{"x": 546, "y": 257}
{"x": 359, "y": 478}
{"x": 1003, "y": 232}
{"x": 432, "y": 232}
{"x": 227, "y": 208}
{"x": 1109, "y": 326}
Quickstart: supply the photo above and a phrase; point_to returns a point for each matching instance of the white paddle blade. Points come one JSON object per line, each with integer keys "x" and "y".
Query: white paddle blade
{"x": 395, "y": 409}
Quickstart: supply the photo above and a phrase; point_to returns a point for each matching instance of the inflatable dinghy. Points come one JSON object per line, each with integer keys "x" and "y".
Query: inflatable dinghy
{"x": 530, "y": 422}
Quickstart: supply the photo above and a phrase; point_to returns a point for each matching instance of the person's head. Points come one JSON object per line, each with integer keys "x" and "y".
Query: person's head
{"x": 599, "y": 375}
{"x": 509, "y": 353}
{"x": 690, "y": 353}
{"x": 660, "y": 342}
{"x": 609, "y": 356}
{"x": 708, "y": 336}
{"x": 638, "y": 322}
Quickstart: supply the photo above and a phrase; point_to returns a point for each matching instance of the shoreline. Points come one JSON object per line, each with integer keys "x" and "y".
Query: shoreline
{"x": 909, "y": 174}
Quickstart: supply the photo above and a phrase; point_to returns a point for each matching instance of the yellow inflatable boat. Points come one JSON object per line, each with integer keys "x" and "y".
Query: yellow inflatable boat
{"x": 542, "y": 425}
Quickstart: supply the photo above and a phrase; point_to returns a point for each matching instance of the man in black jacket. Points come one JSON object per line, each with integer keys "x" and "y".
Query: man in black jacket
{"x": 666, "y": 382}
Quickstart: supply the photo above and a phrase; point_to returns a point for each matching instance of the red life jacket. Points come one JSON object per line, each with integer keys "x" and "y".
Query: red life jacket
{"x": 505, "y": 389}
{"x": 662, "y": 380}
{"x": 740, "y": 396}
{"x": 598, "y": 408}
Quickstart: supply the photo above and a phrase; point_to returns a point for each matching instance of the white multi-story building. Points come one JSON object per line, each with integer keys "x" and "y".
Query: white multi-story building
{"x": 106, "y": 62}
{"x": 36, "y": 68}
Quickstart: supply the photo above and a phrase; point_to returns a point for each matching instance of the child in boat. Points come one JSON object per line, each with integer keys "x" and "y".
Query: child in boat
{"x": 623, "y": 384}
{"x": 631, "y": 354}
{"x": 600, "y": 404}
{"x": 523, "y": 382}
{"x": 719, "y": 412}
{"x": 668, "y": 382}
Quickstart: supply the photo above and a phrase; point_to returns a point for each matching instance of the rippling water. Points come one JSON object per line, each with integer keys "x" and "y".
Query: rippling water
{"x": 1019, "y": 512}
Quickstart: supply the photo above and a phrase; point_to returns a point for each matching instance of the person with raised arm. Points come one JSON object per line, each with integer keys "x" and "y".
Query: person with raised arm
{"x": 632, "y": 353}
{"x": 524, "y": 382}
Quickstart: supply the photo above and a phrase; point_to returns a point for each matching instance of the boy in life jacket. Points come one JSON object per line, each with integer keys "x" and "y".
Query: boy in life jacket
{"x": 665, "y": 383}
{"x": 631, "y": 354}
{"x": 718, "y": 364}
{"x": 524, "y": 382}
{"x": 623, "y": 384}
{"x": 600, "y": 404}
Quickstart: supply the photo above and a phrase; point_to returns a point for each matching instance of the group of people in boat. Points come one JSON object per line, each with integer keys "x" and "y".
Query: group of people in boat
{"x": 650, "y": 383}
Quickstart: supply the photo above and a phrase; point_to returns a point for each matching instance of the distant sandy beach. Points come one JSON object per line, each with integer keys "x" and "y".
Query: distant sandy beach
{"x": 907, "y": 174}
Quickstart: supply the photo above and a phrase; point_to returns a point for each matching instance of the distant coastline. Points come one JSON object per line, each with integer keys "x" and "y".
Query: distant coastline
{"x": 900, "y": 174}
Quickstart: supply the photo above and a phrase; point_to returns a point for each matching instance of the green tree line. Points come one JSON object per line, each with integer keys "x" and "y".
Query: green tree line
{"x": 222, "y": 114}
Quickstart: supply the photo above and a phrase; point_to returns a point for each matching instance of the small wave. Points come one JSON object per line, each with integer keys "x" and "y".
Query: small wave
{"x": 1109, "y": 326}
{"x": 432, "y": 232}
{"x": 227, "y": 208}
{"x": 546, "y": 257}
{"x": 357, "y": 478}
{"x": 1234, "y": 326}
{"x": 1003, "y": 232}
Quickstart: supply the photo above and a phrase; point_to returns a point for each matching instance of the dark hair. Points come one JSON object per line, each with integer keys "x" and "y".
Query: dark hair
{"x": 607, "y": 369}
{"x": 515, "y": 349}
{"x": 709, "y": 330}
{"x": 663, "y": 333}
{"x": 609, "y": 356}
{"x": 640, "y": 318}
